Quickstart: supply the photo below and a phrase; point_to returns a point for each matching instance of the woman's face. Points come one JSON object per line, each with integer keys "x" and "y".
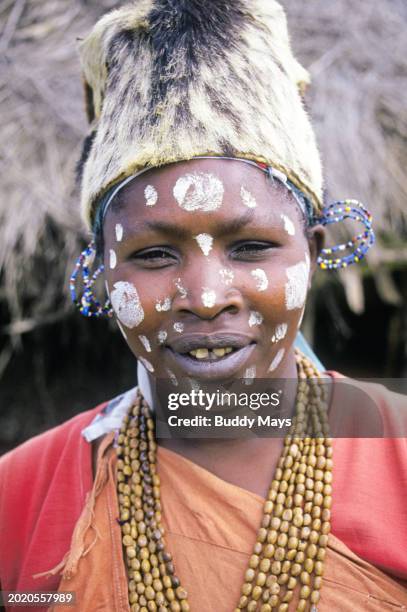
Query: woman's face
{"x": 208, "y": 266}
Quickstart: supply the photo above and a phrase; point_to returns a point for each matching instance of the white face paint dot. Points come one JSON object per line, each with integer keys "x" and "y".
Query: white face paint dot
{"x": 199, "y": 191}
{"x": 297, "y": 284}
{"x": 146, "y": 364}
{"x": 301, "y": 318}
{"x": 172, "y": 377}
{"x": 208, "y": 297}
{"x": 227, "y": 276}
{"x": 255, "y": 318}
{"x": 280, "y": 332}
{"x": 164, "y": 305}
{"x": 146, "y": 343}
{"x": 126, "y": 304}
{"x": 162, "y": 336}
{"x": 119, "y": 232}
{"x": 181, "y": 289}
{"x": 151, "y": 195}
{"x": 261, "y": 279}
{"x": 247, "y": 198}
{"x": 205, "y": 241}
{"x": 178, "y": 327}
{"x": 288, "y": 225}
{"x": 112, "y": 259}
{"x": 249, "y": 375}
{"x": 277, "y": 360}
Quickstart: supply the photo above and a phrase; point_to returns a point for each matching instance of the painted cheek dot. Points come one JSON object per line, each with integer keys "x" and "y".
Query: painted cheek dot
{"x": 162, "y": 336}
{"x": 181, "y": 289}
{"x": 288, "y": 225}
{"x": 205, "y": 241}
{"x": 255, "y": 318}
{"x": 297, "y": 284}
{"x": 199, "y": 191}
{"x": 179, "y": 327}
{"x": 277, "y": 360}
{"x": 119, "y": 232}
{"x": 151, "y": 195}
{"x": 146, "y": 364}
{"x": 146, "y": 343}
{"x": 208, "y": 298}
{"x": 163, "y": 306}
{"x": 247, "y": 198}
{"x": 280, "y": 332}
{"x": 126, "y": 304}
{"x": 112, "y": 259}
{"x": 261, "y": 279}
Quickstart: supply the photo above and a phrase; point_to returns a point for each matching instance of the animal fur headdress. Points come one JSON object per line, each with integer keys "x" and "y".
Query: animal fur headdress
{"x": 169, "y": 80}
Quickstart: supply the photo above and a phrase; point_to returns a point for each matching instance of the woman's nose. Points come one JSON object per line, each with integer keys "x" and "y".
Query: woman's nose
{"x": 209, "y": 291}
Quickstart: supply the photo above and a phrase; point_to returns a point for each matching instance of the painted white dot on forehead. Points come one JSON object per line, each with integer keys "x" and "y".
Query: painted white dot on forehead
{"x": 119, "y": 232}
{"x": 205, "y": 241}
{"x": 280, "y": 332}
{"x": 288, "y": 225}
{"x": 261, "y": 279}
{"x": 247, "y": 198}
{"x": 297, "y": 284}
{"x": 199, "y": 191}
{"x": 146, "y": 364}
{"x": 126, "y": 304}
{"x": 208, "y": 297}
{"x": 151, "y": 195}
{"x": 227, "y": 276}
{"x": 181, "y": 289}
{"x": 146, "y": 343}
{"x": 112, "y": 259}
{"x": 277, "y": 360}
{"x": 255, "y": 318}
{"x": 164, "y": 305}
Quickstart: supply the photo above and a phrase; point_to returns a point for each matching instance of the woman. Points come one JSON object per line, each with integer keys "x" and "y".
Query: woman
{"x": 202, "y": 187}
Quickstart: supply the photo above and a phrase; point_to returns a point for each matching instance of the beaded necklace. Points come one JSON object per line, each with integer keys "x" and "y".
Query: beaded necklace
{"x": 291, "y": 542}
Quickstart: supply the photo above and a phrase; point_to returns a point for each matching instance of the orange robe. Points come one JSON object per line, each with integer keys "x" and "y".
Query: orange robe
{"x": 211, "y": 528}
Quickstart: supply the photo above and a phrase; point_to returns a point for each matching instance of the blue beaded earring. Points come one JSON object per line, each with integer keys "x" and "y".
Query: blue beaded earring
{"x": 361, "y": 243}
{"x": 88, "y": 305}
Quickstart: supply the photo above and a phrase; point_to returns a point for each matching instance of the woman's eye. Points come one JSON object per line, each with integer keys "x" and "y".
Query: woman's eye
{"x": 251, "y": 250}
{"x": 154, "y": 258}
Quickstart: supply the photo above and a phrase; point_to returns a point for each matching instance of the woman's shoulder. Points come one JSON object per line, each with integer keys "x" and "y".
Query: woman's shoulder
{"x": 367, "y": 408}
{"x": 49, "y": 442}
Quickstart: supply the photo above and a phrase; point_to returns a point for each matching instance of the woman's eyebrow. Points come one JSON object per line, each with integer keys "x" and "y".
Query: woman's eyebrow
{"x": 223, "y": 228}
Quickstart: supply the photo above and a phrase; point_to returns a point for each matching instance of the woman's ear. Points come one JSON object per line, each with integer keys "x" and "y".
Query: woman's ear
{"x": 316, "y": 240}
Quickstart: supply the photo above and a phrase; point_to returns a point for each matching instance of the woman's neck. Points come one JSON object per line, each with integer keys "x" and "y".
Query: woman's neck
{"x": 248, "y": 462}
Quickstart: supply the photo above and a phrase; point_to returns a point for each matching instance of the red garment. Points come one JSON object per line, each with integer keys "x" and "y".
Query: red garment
{"x": 43, "y": 486}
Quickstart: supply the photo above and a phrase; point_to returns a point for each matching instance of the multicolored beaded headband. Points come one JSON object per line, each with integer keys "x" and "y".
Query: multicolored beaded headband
{"x": 338, "y": 211}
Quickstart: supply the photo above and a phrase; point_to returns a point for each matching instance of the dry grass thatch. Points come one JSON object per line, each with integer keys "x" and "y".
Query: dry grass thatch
{"x": 356, "y": 53}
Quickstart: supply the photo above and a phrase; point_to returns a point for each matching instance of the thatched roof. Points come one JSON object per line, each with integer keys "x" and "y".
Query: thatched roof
{"x": 356, "y": 53}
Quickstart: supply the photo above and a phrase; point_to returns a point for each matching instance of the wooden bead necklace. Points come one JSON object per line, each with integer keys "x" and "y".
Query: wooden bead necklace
{"x": 291, "y": 542}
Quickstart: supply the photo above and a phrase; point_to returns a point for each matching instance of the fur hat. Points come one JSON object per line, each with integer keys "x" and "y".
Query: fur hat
{"x": 169, "y": 80}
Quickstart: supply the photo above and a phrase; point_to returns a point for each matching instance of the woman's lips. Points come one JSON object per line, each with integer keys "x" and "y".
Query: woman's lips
{"x": 221, "y": 369}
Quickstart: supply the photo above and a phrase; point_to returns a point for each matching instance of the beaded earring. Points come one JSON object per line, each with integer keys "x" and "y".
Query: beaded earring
{"x": 339, "y": 211}
{"x": 88, "y": 304}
